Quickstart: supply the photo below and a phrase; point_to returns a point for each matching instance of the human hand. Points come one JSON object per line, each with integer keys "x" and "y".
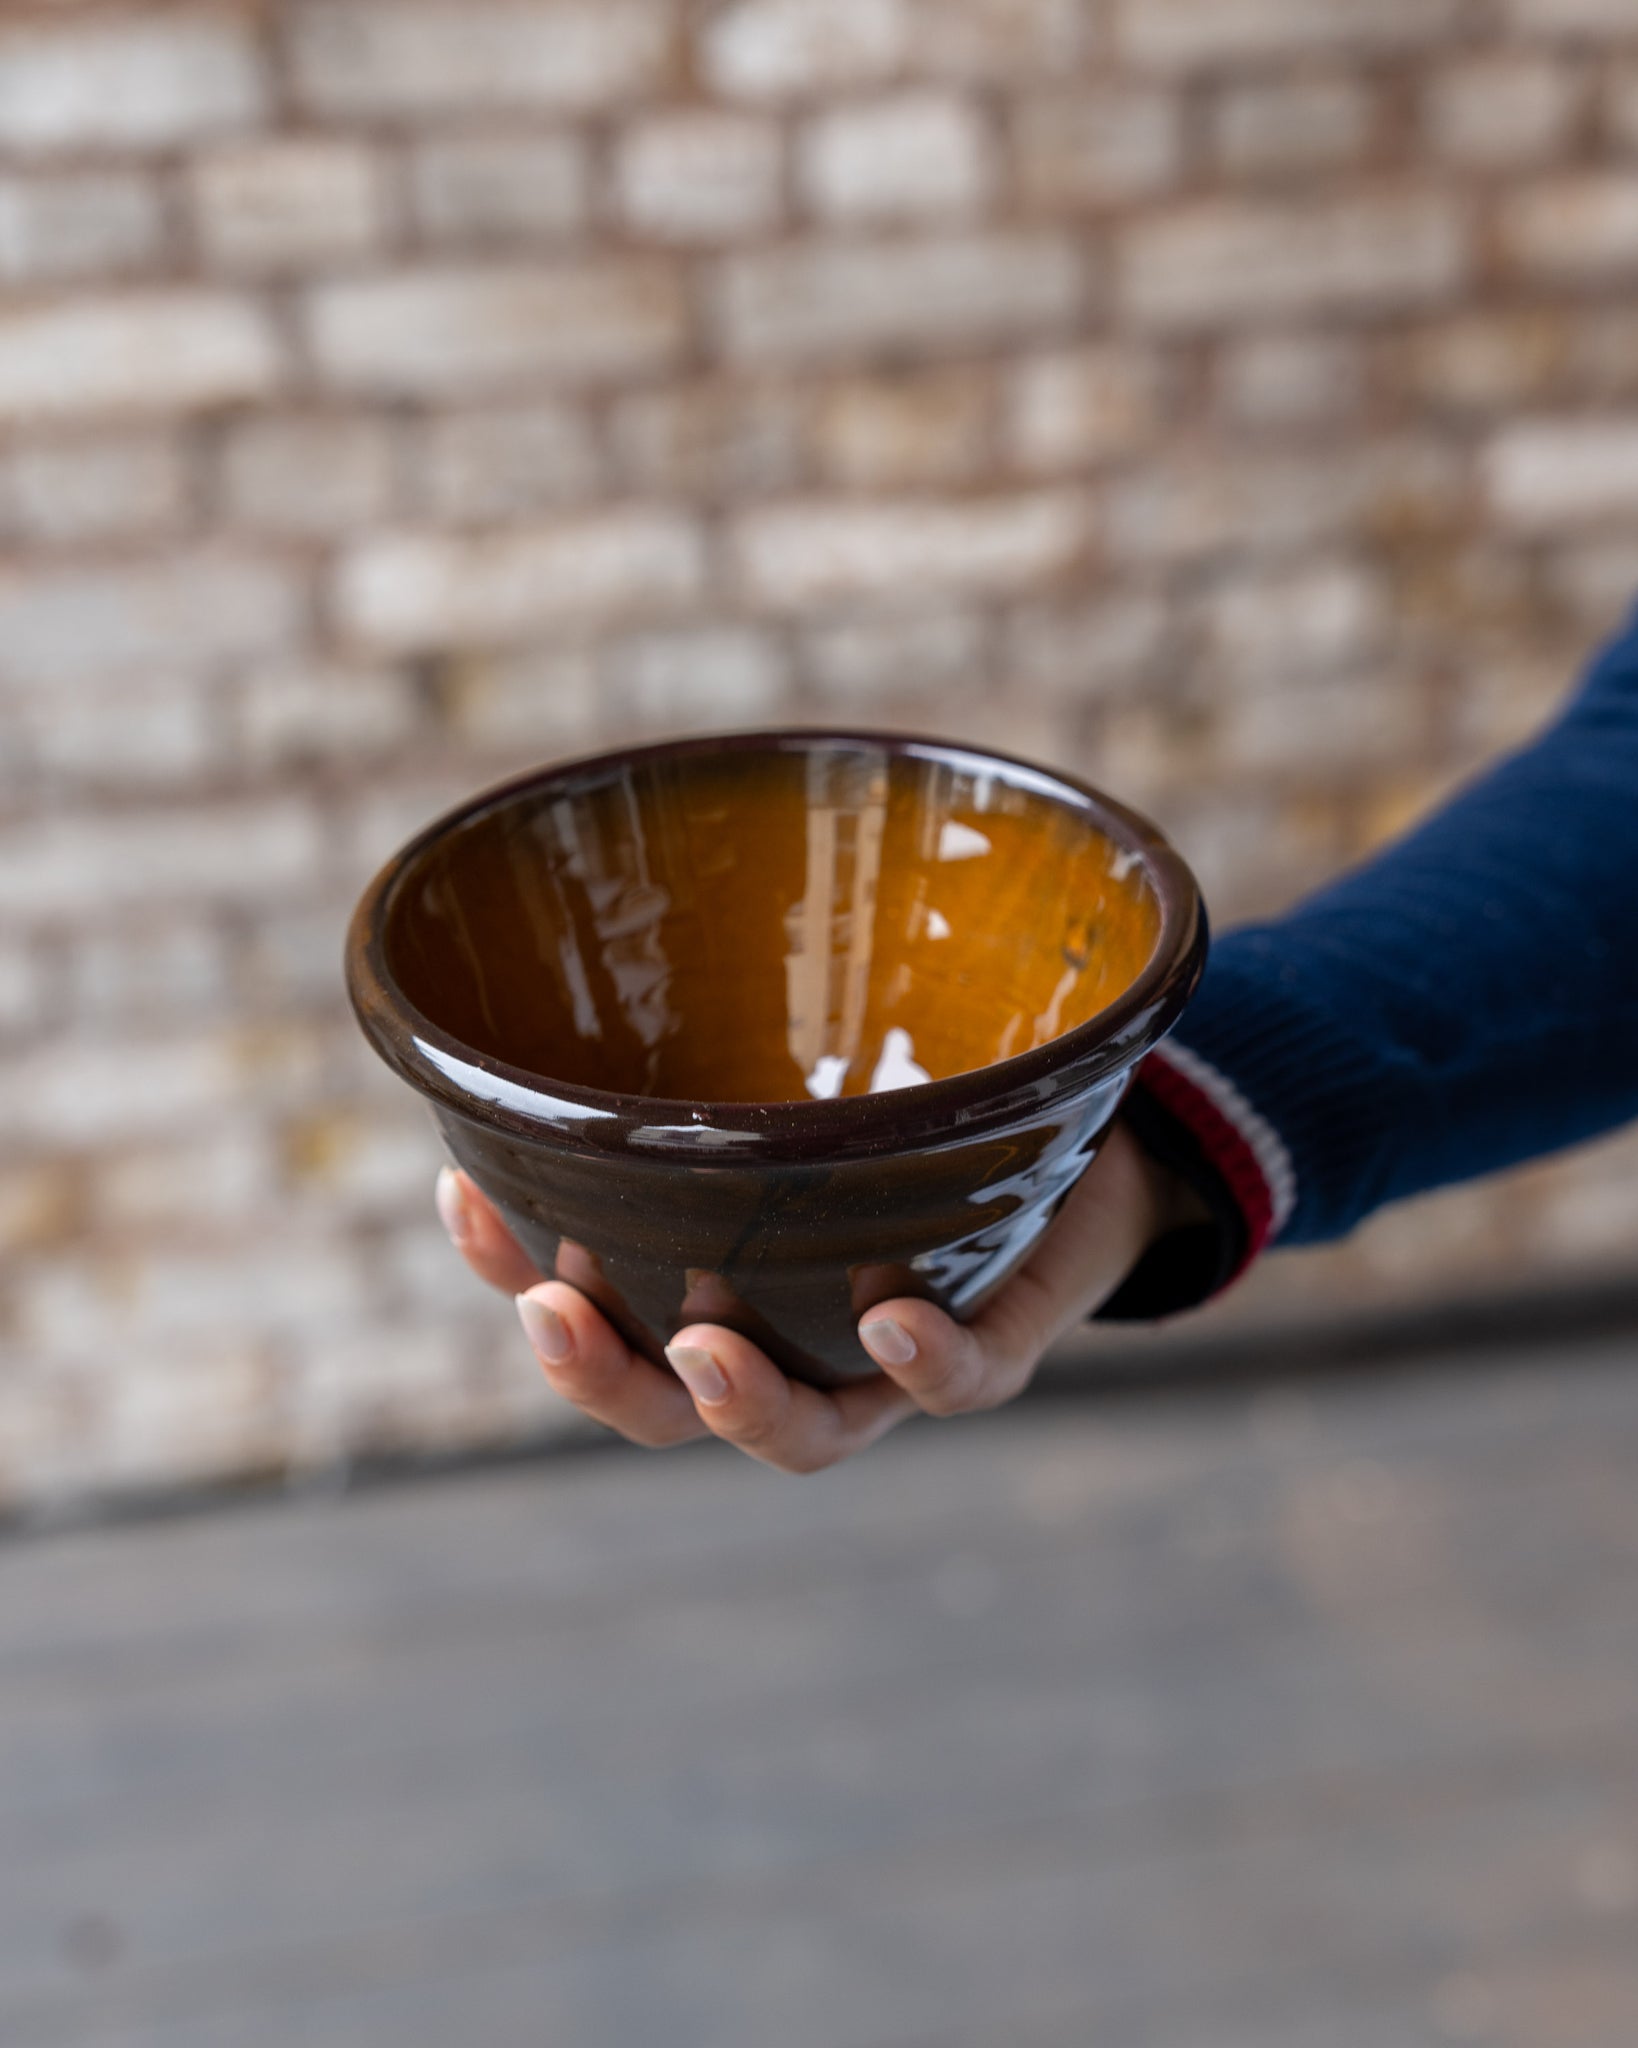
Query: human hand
{"x": 724, "y": 1386}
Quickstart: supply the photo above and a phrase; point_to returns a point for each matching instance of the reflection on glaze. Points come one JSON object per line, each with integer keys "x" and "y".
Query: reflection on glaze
{"x": 504, "y": 1094}
{"x": 830, "y": 921}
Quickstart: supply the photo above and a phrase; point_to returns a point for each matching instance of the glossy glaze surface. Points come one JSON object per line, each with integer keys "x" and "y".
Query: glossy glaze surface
{"x": 768, "y": 1029}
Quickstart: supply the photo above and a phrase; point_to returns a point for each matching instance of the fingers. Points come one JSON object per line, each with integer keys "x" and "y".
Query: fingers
{"x": 588, "y": 1363}
{"x": 740, "y": 1395}
{"x": 951, "y": 1369}
{"x": 479, "y": 1235}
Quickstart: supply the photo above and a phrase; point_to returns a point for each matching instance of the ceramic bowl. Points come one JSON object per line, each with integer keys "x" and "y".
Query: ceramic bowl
{"x": 765, "y": 1029}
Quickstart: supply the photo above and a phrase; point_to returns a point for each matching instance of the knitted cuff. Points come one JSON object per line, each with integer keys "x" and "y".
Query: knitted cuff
{"x": 1195, "y": 1122}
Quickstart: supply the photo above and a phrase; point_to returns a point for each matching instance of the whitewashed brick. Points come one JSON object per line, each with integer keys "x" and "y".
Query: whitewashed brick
{"x": 1600, "y": 20}
{"x": 1577, "y": 229}
{"x": 22, "y": 1008}
{"x": 113, "y": 861}
{"x": 150, "y": 352}
{"x": 1491, "y": 360}
{"x": 139, "y": 83}
{"x": 838, "y": 301}
{"x": 1290, "y": 380}
{"x": 914, "y": 155}
{"x": 876, "y": 658}
{"x": 86, "y": 490}
{"x": 295, "y": 714}
{"x": 709, "y": 439}
{"x": 1292, "y": 125}
{"x": 530, "y": 704}
{"x": 1223, "y": 261}
{"x": 776, "y": 49}
{"x": 1080, "y": 406}
{"x": 287, "y": 205}
{"x": 352, "y": 1162}
{"x": 374, "y": 825}
{"x": 930, "y": 427}
{"x": 1508, "y": 107}
{"x": 499, "y": 188}
{"x": 146, "y": 968}
{"x": 223, "y": 1175}
{"x": 1544, "y": 473}
{"x": 814, "y": 553}
{"x": 1095, "y": 148}
{"x": 1594, "y": 577}
{"x": 80, "y": 225}
{"x": 1192, "y": 35}
{"x": 1091, "y": 650}
{"x": 407, "y": 591}
{"x": 984, "y": 40}
{"x": 719, "y": 675}
{"x": 178, "y": 611}
{"x": 1312, "y": 727}
{"x": 1310, "y": 620}
{"x": 460, "y": 331}
{"x": 126, "y": 736}
{"x": 700, "y": 177}
{"x": 503, "y": 462}
{"x": 399, "y": 57}
{"x": 307, "y": 474}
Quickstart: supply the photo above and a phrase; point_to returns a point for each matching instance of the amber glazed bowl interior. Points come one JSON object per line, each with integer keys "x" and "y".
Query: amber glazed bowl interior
{"x": 766, "y": 1028}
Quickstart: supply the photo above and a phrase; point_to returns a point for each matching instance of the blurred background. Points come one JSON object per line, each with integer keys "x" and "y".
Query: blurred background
{"x": 1233, "y": 400}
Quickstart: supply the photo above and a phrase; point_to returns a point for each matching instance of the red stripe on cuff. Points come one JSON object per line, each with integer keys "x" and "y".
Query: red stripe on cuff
{"x": 1225, "y": 1147}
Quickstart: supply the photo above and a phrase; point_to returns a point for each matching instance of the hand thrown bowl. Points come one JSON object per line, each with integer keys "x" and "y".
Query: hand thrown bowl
{"x": 763, "y": 1030}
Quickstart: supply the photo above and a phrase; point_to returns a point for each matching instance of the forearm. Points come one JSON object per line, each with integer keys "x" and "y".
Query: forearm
{"x": 1467, "y": 1000}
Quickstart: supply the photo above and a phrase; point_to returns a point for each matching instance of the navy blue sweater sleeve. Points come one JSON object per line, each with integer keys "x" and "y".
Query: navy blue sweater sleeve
{"x": 1466, "y": 1000}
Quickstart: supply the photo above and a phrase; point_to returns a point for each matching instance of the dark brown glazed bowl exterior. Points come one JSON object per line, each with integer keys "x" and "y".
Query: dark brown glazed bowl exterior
{"x": 765, "y": 1029}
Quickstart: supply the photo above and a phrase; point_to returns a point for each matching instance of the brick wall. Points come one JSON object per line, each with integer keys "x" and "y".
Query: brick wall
{"x": 1237, "y": 399}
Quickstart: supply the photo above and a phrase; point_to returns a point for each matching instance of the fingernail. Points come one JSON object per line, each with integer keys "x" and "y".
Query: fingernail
{"x": 453, "y": 1212}
{"x": 699, "y": 1373}
{"x": 545, "y": 1329}
{"x": 888, "y": 1341}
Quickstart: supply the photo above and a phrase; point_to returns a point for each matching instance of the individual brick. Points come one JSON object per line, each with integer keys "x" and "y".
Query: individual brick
{"x": 354, "y": 58}
{"x": 1310, "y": 620}
{"x": 1309, "y": 727}
{"x": 105, "y": 864}
{"x": 525, "y": 704}
{"x": 1540, "y": 474}
{"x": 714, "y": 439}
{"x": 179, "y": 610}
{"x": 302, "y": 712}
{"x": 700, "y": 176}
{"x": 306, "y": 474}
{"x": 104, "y": 488}
{"x": 983, "y": 40}
{"x": 499, "y": 188}
{"x": 225, "y": 1173}
{"x": 1290, "y": 380}
{"x": 876, "y": 433}
{"x": 23, "y": 1008}
{"x": 458, "y": 332}
{"x": 1491, "y": 361}
{"x": 145, "y": 969}
{"x": 839, "y": 301}
{"x": 1089, "y": 650}
{"x": 1576, "y": 229}
{"x": 874, "y": 658}
{"x": 1097, "y": 148}
{"x": 139, "y": 734}
{"x": 1503, "y": 108}
{"x": 1203, "y": 35}
{"x": 290, "y": 204}
{"x": 80, "y": 224}
{"x": 143, "y": 352}
{"x": 148, "y": 82}
{"x": 407, "y": 591}
{"x": 1223, "y": 261}
{"x": 503, "y": 462}
{"x": 1286, "y": 126}
{"x": 715, "y": 675}
{"x": 815, "y": 553}
{"x": 777, "y": 49}
{"x": 1079, "y": 406}
{"x": 915, "y": 155}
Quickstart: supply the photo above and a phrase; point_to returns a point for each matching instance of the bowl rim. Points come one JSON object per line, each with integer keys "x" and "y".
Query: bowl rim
{"x": 479, "y": 1088}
